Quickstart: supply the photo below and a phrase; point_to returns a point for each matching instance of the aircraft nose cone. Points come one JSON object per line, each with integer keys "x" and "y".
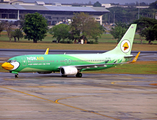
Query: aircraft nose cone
{"x": 7, "y": 66}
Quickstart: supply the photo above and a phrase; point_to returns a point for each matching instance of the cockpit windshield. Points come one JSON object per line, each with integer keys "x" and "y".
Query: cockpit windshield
{"x": 10, "y": 61}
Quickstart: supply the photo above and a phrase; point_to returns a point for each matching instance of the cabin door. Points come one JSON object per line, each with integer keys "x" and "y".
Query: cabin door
{"x": 24, "y": 61}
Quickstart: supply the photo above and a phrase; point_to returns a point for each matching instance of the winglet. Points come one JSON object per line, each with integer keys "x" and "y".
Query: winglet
{"x": 47, "y": 51}
{"x": 136, "y": 57}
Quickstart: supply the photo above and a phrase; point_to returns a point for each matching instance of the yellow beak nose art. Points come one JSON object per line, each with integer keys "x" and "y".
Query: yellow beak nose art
{"x": 126, "y": 46}
{"x": 7, "y": 66}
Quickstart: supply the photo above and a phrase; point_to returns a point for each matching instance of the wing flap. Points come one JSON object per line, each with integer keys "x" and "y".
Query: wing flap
{"x": 134, "y": 57}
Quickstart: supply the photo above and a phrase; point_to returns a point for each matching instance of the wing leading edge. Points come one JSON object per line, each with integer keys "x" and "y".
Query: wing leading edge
{"x": 87, "y": 66}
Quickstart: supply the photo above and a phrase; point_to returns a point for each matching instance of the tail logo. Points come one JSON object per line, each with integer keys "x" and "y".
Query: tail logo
{"x": 125, "y": 46}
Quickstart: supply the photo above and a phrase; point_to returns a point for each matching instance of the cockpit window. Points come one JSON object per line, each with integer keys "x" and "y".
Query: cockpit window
{"x": 10, "y": 61}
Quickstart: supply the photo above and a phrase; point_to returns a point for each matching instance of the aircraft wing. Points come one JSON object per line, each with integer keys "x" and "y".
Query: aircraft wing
{"x": 95, "y": 65}
{"x": 79, "y": 67}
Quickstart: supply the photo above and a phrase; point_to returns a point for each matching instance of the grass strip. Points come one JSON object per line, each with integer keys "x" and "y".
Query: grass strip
{"x": 59, "y": 46}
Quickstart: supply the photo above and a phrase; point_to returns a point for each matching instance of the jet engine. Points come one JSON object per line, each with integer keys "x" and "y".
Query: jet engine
{"x": 68, "y": 70}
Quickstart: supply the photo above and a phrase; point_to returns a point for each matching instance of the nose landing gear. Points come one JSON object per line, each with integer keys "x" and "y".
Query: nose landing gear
{"x": 16, "y": 76}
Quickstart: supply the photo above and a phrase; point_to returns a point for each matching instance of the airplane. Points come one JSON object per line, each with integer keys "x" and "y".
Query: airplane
{"x": 74, "y": 64}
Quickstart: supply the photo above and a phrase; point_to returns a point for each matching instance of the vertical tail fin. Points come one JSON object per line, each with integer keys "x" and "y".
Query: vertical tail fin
{"x": 124, "y": 47}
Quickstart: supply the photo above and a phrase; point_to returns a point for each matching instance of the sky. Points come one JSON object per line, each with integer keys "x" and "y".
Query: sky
{"x": 93, "y": 1}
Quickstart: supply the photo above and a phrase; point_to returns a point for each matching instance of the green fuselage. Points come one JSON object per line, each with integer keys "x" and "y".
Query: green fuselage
{"x": 52, "y": 63}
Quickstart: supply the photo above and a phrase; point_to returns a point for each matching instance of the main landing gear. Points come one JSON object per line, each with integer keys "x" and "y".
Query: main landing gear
{"x": 79, "y": 75}
{"x": 64, "y": 75}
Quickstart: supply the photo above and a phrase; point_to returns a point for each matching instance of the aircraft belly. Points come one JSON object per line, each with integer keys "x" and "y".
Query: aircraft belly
{"x": 34, "y": 70}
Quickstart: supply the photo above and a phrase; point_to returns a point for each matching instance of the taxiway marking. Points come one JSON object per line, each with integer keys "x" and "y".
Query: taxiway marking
{"x": 57, "y": 101}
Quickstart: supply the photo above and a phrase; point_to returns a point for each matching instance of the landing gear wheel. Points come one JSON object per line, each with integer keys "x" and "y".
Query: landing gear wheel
{"x": 79, "y": 75}
{"x": 16, "y": 75}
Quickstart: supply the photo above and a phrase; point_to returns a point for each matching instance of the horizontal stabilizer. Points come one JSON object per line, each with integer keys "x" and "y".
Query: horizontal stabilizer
{"x": 136, "y": 57}
{"x": 129, "y": 56}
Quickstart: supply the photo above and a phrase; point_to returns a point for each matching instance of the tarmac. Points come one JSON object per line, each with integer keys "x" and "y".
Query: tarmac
{"x": 92, "y": 97}
{"x": 34, "y": 96}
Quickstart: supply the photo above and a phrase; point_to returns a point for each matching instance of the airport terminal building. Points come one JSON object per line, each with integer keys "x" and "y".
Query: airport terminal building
{"x": 54, "y": 13}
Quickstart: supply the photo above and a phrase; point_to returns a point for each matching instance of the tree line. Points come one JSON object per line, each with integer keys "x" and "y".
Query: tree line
{"x": 8, "y": 26}
{"x": 83, "y": 27}
{"x": 35, "y": 27}
{"x": 146, "y": 27}
{"x": 127, "y": 15}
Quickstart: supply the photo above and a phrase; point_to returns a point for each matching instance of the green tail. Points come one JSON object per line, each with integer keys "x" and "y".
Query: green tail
{"x": 124, "y": 47}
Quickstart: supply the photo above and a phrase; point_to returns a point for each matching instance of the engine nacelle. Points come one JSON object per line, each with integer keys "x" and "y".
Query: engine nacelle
{"x": 68, "y": 70}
